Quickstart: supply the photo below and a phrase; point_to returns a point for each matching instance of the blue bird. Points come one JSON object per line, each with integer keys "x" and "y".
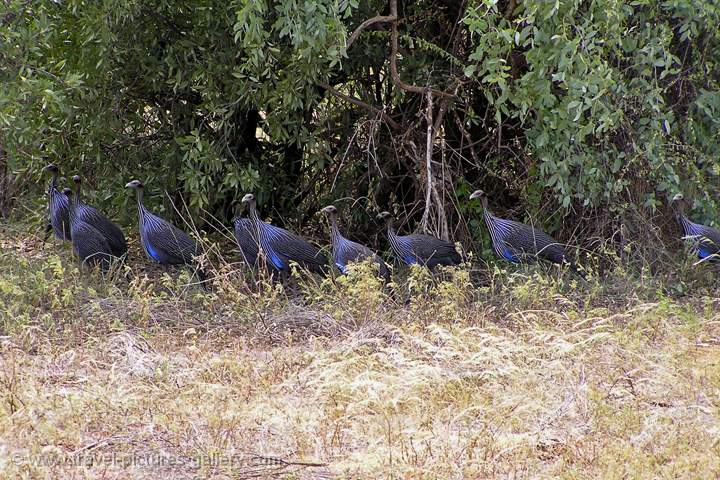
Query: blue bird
{"x": 246, "y": 238}
{"x": 704, "y": 240}
{"x": 520, "y": 243}
{"x": 162, "y": 241}
{"x": 91, "y": 246}
{"x": 58, "y": 208}
{"x": 280, "y": 247}
{"x": 346, "y": 251}
{"x": 420, "y": 249}
{"x": 88, "y": 214}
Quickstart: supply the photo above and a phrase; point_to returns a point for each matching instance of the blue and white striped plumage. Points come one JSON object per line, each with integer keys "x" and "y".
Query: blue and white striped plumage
{"x": 59, "y": 211}
{"x": 421, "y": 249}
{"x": 90, "y": 215}
{"x": 246, "y": 240}
{"x": 280, "y": 248}
{"x": 517, "y": 242}
{"x": 704, "y": 240}
{"x": 346, "y": 251}
{"x": 163, "y": 242}
{"x": 88, "y": 243}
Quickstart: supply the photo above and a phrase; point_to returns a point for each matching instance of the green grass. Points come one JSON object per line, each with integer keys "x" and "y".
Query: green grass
{"x": 495, "y": 373}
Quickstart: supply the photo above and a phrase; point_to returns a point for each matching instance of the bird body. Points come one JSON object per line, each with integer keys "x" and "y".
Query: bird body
{"x": 280, "y": 247}
{"x": 704, "y": 240}
{"x": 58, "y": 208}
{"x": 346, "y": 251}
{"x": 246, "y": 238}
{"x": 91, "y": 216}
{"x": 518, "y": 242}
{"x": 162, "y": 241}
{"x": 88, "y": 243}
{"x": 420, "y": 249}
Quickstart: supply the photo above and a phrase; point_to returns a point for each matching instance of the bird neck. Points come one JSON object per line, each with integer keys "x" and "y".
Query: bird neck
{"x": 252, "y": 213}
{"x": 391, "y": 228}
{"x": 72, "y": 203}
{"x": 334, "y": 231}
{"x": 140, "y": 206}
{"x": 140, "y": 194}
{"x": 484, "y": 203}
{"x": 78, "y": 188}
{"x": 53, "y": 181}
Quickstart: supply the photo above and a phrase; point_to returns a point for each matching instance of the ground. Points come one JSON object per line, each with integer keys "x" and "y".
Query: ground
{"x": 505, "y": 373}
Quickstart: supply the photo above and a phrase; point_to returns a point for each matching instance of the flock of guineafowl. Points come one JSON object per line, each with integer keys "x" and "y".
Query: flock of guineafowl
{"x": 98, "y": 241}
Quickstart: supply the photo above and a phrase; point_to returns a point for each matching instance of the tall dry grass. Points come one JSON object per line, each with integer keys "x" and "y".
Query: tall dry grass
{"x": 488, "y": 372}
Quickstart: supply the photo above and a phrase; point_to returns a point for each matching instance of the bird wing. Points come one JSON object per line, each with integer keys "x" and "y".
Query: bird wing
{"x": 429, "y": 249}
{"x": 89, "y": 244}
{"x": 525, "y": 241}
{"x": 291, "y": 248}
{"x": 115, "y": 236}
{"x": 246, "y": 240}
{"x": 174, "y": 242}
{"x": 707, "y": 238}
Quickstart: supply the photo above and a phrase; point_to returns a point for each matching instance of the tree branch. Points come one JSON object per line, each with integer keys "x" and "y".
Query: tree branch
{"x": 367, "y": 23}
{"x": 393, "y": 59}
{"x": 356, "y": 101}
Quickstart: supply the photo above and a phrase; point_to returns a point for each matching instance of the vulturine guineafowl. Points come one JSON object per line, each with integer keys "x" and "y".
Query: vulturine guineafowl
{"x": 521, "y": 243}
{"x": 91, "y": 246}
{"x": 419, "y": 248}
{"x": 704, "y": 240}
{"x": 90, "y": 215}
{"x": 280, "y": 247}
{"x": 346, "y": 251}
{"x": 162, "y": 241}
{"x": 58, "y": 208}
{"x": 246, "y": 238}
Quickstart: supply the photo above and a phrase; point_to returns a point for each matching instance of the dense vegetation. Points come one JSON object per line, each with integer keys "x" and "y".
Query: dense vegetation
{"x": 581, "y": 114}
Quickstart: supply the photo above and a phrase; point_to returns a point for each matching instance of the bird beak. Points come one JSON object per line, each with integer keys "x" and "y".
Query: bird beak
{"x": 246, "y": 198}
{"x": 129, "y": 185}
{"x": 476, "y": 194}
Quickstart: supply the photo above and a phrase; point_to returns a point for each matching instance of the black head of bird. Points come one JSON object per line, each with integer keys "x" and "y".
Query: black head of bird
{"x": 385, "y": 217}
{"x": 135, "y": 184}
{"x": 138, "y": 187}
{"x": 52, "y": 168}
{"x": 481, "y": 195}
{"x": 67, "y": 192}
{"x": 77, "y": 181}
{"x": 678, "y": 203}
{"x": 330, "y": 211}
{"x": 249, "y": 200}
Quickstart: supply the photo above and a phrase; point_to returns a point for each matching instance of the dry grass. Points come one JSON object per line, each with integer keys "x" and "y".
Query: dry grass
{"x": 511, "y": 375}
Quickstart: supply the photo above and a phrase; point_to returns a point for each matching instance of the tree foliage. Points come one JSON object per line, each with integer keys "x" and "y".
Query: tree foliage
{"x": 572, "y": 112}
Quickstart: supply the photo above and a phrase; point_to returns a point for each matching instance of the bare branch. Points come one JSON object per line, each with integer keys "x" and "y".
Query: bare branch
{"x": 393, "y": 59}
{"x": 367, "y": 23}
{"x": 356, "y": 101}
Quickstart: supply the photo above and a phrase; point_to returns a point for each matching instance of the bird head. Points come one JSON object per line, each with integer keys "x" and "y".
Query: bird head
{"x": 67, "y": 192}
{"x": 248, "y": 199}
{"x": 678, "y": 202}
{"x": 76, "y": 179}
{"x": 52, "y": 168}
{"x": 136, "y": 184}
{"x": 477, "y": 194}
{"x": 330, "y": 210}
{"x": 385, "y": 216}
